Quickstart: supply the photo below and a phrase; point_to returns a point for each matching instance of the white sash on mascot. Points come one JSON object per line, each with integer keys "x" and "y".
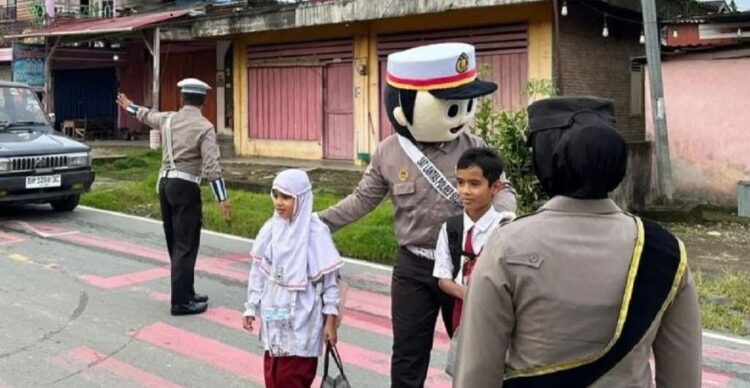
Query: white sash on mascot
{"x": 432, "y": 173}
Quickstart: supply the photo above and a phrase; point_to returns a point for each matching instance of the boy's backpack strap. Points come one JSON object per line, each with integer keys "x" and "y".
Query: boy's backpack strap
{"x": 454, "y": 226}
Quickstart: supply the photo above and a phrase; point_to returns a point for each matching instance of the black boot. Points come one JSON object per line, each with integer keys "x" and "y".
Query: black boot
{"x": 199, "y": 298}
{"x": 188, "y": 309}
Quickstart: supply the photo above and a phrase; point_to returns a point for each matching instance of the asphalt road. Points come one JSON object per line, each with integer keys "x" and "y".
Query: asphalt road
{"x": 84, "y": 301}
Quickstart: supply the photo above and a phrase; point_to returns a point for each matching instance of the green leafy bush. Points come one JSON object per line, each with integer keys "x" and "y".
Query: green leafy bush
{"x": 507, "y": 132}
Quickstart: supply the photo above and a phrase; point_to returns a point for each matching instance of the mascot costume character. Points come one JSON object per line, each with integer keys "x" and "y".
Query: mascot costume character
{"x": 431, "y": 98}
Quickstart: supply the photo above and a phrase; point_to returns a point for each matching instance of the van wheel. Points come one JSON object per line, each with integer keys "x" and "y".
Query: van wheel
{"x": 67, "y": 204}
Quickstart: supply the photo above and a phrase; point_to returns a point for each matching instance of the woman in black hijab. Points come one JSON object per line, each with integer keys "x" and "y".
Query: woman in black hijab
{"x": 580, "y": 293}
{"x": 577, "y": 151}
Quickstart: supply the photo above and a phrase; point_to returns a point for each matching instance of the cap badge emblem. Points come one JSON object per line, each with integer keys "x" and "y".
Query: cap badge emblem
{"x": 462, "y": 64}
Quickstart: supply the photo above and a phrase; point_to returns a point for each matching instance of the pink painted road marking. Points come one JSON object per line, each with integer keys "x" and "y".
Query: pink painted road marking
{"x": 41, "y": 229}
{"x": 715, "y": 379}
{"x": 130, "y": 279}
{"x": 159, "y": 255}
{"x": 379, "y": 305}
{"x": 352, "y": 318}
{"x": 221, "y": 356}
{"x": 220, "y": 268}
{"x": 383, "y": 280}
{"x": 709, "y": 377}
{"x": 120, "y": 368}
{"x": 369, "y": 302}
{"x": 9, "y": 238}
{"x": 381, "y": 325}
{"x": 726, "y": 354}
{"x": 227, "y": 317}
{"x": 360, "y": 357}
{"x": 160, "y": 297}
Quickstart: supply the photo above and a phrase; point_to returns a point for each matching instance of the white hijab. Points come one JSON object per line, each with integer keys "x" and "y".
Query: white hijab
{"x": 297, "y": 250}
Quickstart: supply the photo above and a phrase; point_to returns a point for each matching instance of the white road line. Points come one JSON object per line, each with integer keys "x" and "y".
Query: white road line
{"x": 363, "y": 263}
{"x": 721, "y": 337}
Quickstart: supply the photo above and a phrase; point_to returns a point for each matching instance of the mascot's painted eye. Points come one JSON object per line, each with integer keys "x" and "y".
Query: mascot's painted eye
{"x": 470, "y": 106}
{"x": 453, "y": 110}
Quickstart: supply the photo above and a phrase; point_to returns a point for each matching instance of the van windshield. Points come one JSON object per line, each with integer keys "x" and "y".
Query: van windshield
{"x": 20, "y": 106}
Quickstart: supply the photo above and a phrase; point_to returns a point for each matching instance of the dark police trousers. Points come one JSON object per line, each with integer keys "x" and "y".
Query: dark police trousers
{"x": 415, "y": 302}
{"x": 181, "y": 212}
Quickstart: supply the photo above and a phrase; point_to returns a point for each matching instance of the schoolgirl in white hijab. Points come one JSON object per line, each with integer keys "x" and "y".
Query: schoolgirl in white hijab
{"x": 292, "y": 285}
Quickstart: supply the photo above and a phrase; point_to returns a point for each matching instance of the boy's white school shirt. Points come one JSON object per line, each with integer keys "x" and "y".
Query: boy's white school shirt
{"x": 486, "y": 224}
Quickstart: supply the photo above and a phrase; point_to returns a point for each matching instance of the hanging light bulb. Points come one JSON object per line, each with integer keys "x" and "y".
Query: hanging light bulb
{"x": 605, "y": 30}
{"x": 739, "y": 32}
{"x": 642, "y": 39}
{"x": 674, "y": 33}
{"x": 115, "y": 57}
{"x": 564, "y": 10}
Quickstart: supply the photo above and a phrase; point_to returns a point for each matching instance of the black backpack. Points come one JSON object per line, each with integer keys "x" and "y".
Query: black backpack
{"x": 454, "y": 226}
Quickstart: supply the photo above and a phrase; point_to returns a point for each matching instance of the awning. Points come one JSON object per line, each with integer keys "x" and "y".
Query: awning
{"x": 104, "y": 26}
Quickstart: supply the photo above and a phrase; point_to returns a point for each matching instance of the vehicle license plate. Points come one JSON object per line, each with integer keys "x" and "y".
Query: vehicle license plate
{"x": 42, "y": 181}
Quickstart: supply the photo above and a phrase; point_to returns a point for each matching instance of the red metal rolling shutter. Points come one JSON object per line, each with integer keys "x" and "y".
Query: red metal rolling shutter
{"x": 286, "y": 92}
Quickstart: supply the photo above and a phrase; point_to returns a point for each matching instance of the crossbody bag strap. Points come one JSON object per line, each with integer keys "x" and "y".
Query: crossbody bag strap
{"x": 657, "y": 268}
{"x": 168, "y": 138}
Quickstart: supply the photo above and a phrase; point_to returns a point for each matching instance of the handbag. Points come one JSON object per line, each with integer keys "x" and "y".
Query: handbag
{"x": 339, "y": 381}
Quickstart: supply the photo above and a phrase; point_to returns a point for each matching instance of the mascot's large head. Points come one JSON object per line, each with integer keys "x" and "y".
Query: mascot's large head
{"x": 432, "y": 90}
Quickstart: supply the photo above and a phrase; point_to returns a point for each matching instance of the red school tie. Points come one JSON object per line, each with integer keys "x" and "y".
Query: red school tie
{"x": 469, "y": 253}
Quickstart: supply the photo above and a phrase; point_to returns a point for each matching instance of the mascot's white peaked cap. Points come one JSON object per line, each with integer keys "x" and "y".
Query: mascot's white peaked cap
{"x": 444, "y": 78}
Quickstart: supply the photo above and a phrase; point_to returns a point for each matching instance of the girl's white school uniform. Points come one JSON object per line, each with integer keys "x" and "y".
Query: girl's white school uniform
{"x": 293, "y": 278}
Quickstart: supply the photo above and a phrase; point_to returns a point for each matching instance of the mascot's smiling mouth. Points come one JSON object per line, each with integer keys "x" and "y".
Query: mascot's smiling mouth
{"x": 455, "y": 130}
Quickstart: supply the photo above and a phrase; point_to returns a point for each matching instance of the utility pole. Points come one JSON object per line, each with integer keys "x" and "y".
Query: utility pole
{"x": 156, "y": 76}
{"x": 658, "y": 110}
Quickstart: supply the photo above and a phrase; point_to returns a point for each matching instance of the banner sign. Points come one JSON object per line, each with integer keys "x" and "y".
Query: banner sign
{"x": 28, "y": 64}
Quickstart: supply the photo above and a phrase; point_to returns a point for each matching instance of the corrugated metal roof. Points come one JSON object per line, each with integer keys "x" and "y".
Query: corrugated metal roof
{"x": 102, "y": 26}
{"x": 716, "y": 18}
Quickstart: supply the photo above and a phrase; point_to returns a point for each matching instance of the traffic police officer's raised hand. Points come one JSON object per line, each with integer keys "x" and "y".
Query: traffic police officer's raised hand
{"x": 226, "y": 209}
{"x": 123, "y": 101}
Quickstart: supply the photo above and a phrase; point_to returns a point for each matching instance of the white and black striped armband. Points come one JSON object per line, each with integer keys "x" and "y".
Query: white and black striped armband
{"x": 219, "y": 189}
{"x": 133, "y": 109}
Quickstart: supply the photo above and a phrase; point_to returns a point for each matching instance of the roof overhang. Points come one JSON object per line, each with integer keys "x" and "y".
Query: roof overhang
{"x": 104, "y": 26}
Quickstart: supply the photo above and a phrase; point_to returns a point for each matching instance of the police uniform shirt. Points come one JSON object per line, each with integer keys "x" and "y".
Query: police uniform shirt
{"x": 548, "y": 288}
{"x": 419, "y": 209}
{"x": 194, "y": 145}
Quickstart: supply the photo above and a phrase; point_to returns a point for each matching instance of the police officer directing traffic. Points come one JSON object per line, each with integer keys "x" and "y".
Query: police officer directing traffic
{"x": 189, "y": 151}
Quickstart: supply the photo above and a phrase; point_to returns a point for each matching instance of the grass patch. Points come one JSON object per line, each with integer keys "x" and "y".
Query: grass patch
{"x": 725, "y": 301}
{"x": 135, "y": 166}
